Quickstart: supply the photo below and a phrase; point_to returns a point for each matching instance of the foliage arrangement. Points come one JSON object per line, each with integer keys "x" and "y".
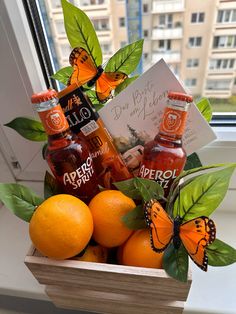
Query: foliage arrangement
{"x": 195, "y": 192}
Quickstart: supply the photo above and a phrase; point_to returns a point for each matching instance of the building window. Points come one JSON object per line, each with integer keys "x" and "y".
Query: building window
{"x": 226, "y": 16}
{"x": 197, "y": 17}
{"x": 195, "y": 41}
{"x": 145, "y": 8}
{"x": 192, "y": 63}
{"x": 221, "y": 64}
{"x": 164, "y": 45}
{"x": 106, "y": 48}
{"x": 218, "y": 84}
{"x": 121, "y": 21}
{"x": 100, "y": 25}
{"x": 191, "y": 82}
{"x": 56, "y": 4}
{"x": 165, "y": 20}
{"x": 224, "y": 41}
{"x": 60, "y": 28}
{"x": 145, "y": 33}
{"x": 65, "y": 51}
{"x": 91, "y": 2}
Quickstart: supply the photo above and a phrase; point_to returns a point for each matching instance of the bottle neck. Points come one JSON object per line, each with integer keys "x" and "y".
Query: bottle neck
{"x": 53, "y": 119}
{"x": 174, "y": 119}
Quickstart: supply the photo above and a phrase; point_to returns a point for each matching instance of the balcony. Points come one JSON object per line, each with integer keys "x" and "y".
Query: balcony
{"x": 160, "y": 6}
{"x": 167, "y": 33}
{"x": 168, "y": 56}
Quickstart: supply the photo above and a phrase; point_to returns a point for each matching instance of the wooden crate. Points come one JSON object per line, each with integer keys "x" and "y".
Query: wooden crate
{"x": 106, "y": 288}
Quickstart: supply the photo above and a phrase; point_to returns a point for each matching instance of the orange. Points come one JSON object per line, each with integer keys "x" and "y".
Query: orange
{"x": 107, "y": 208}
{"x": 94, "y": 253}
{"x": 137, "y": 251}
{"x": 61, "y": 226}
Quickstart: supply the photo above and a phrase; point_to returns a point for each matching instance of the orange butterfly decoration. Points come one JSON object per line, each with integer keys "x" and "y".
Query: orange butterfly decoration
{"x": 85, "y": 71}
{"x": 195, "y": 234}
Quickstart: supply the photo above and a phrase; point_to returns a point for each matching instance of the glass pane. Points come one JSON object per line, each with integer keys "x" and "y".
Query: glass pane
{"x": 177, "y": 28}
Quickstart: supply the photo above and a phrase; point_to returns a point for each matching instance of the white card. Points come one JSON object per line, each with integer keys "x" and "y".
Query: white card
{"x": 140, "y": 107}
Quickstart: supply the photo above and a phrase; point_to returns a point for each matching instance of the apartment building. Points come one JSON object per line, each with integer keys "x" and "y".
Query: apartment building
{"x": 198, "y": 41}
{"x": 196, "y": 38}
{"x": 108, "y": 18}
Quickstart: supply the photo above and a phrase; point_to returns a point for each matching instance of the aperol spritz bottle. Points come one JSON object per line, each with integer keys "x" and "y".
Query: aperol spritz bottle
{"x": 84, "y": 120}
{"x": 164, "y": 157}
{"x": 67, "y": 155}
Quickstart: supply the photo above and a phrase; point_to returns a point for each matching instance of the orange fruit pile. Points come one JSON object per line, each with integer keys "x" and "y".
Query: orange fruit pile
{"x": 62, "y": 226}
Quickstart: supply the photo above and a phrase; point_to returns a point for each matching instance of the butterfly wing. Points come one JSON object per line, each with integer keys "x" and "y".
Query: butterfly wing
{"x": 83, "y": 65}
{"x": 161, "y": 225}
{"x": 107, "y": 82}
{"x": 195, "y": 235}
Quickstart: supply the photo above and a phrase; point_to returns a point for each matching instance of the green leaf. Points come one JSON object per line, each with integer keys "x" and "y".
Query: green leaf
{"x": 63, "y": 75}
{"x": 184, "y": 174}
{"x": 19, "y": 199}
{"x": 94, "y": 100}
{"x": 204, "y": 107}
{"x": 128, "y": 188}
{"x": 80, "y": 31}
{"x": 126, "y": 59}
{"x": 124, "y": 84}
{"x": 51, "y": 187}
{"x": 148, "y": 189}
{"x": 139, "y": 188}
{"x": 135, "y": 219}
{"x": 28, "y": 128}
{"x": 175, "y": 262}
{"x": 193, "y": 161}
{"x": 203, "y": 194}
{"x": 220, "y": 254}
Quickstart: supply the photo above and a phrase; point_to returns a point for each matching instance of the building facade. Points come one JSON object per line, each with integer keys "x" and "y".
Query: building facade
{"x": 197, "y": 39}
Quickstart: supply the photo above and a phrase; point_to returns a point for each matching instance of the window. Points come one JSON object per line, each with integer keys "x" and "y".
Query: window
{"x": 218, "y": 84}
{"x": 165, "y": 21}
{"x": 145, "y": 33}
{"x": 195, "y": 41}
{"x": 105, "y": 14}
{"x": 145, "y": 8}
{"x": 106, "y": 48}
{"x": 101, "y": 25}
{"x": 197, "y": 17}
{"x": 164, "y": 45}
{"x": 60, "y": 29}
{"x": 224, "y": 41}
{"x": 191, "y": 82}
{"x": 226, "y": 16}
{"x": 121, "y": 21}
{"x": 221, "y": 64}
{"x": 65, "y": 50}
{"x": 192, "y": 63}
{"x": 90, "y": 2}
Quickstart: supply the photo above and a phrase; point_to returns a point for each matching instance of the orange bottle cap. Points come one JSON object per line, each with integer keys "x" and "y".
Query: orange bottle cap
{"x": 43, "y": 96}
{"x": 180, "y": 96}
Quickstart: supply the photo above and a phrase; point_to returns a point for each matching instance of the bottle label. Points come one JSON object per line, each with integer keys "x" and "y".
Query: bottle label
{"x": 84, "y": 119}
{"x": 161, "y": 176}
{"x": 80, "y": 176}
{"x": 173, "y": 122}
{"x": 54, "y": 120}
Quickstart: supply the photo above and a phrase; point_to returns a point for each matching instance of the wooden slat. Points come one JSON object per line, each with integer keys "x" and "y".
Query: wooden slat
{"x": 105, "y": 277}
{"x": 99, "y": 302}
